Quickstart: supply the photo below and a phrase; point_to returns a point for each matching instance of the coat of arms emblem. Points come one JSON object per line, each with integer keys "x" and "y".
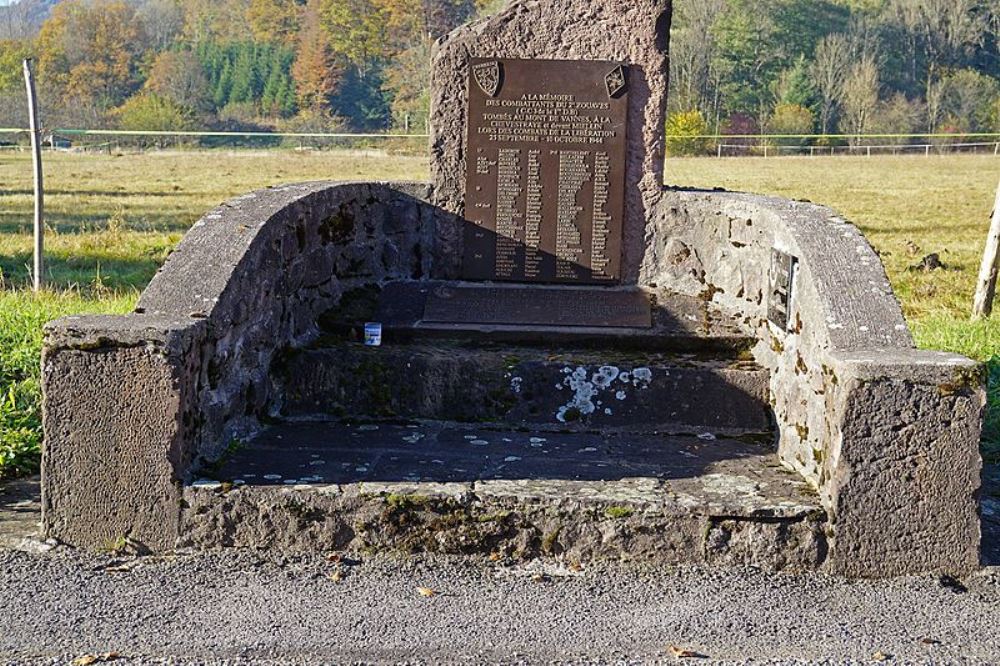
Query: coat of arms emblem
{"x": 616, "y": 81}
{"x": 489, "y": 77}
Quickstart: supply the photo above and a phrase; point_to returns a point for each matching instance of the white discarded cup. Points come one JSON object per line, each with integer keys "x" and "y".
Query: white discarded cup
{"x": 373, "y": 334}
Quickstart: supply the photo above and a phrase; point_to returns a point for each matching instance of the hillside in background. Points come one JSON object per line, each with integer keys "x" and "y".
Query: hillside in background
{"x": 780, "y": 67}
{"x": 23, "y": 18}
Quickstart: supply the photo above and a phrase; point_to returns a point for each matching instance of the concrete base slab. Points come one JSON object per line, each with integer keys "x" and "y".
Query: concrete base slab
{"x": 991, "y": 515}
{"x": 436, "y": 487}
{"x": 679, "y": 322}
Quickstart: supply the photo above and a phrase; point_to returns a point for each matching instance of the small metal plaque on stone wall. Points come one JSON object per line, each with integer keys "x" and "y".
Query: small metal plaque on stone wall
{"x": 782, "y": 281}
{"x": 545, "y": 183}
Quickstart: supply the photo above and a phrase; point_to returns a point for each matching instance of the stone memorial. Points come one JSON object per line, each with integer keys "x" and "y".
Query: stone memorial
{"x": 576, "y": 362}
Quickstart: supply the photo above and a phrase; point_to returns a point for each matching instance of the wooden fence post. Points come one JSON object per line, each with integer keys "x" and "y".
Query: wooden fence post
{"x": 36, "y": 159}
{"x": 986, "y": 287}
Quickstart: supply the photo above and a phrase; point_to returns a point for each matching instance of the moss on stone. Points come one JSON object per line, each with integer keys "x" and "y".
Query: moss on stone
{"x": 619, "y": 512}
{"x": 550, "y": 541}
{"x": 964, "y": 381}
{"x": 406, "y": 502}
{"x": 777, "y": 346}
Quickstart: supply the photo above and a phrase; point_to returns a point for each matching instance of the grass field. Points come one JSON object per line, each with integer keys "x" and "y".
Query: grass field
{"x": 112, "y": 220}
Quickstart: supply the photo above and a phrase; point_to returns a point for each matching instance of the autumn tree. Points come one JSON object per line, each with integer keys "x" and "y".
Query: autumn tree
{"x": 316, "y": 70}
{"x": 12, "y": 54}
{"x": 829, "y": 69}
{"x": 276, "y": 21}
{"x": 162, "y": 20}
{"x": 179, "y": 76}
{"x": 408, "y": 80}
{"x": 16, "y": 21}
{"x": 216, "y": 20}
{"x": 356, "y": 29}
{"x": 409, "y": 22}
{"x": 92, "y": 50}
{"x": 691, "y": 49}
{"x": 860, "y": 96}
{"x": 938, "y": 34}
{"x": 148, "y": 111}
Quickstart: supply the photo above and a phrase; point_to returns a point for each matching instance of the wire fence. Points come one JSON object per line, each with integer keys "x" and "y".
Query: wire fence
{"x": 100, "y": 140}
{"x": 717, "y": 145}
{"x": 866, "y": 150}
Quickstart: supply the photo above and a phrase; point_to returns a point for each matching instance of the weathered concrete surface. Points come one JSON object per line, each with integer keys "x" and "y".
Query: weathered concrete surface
{"x": 859, "y": 410}
{"x": 558, "y": 386}
{"x": 131, "y": 402}
{"x": 461, "y": 489}
{"x": 20, "y": 513}
{"x": 636, "y": 32}
{"x": 484, "y": 611}
{"x": 680, "y": 323}
{"x": 250, "y": 608}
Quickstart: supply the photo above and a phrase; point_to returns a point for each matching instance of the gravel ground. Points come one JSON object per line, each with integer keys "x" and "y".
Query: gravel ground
{"x": 240, "y": 607}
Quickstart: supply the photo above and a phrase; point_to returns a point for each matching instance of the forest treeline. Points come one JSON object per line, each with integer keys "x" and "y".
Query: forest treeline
{"x": 290, "y": 65}
{"x": 825, "y": 67}
{"x": 737, "y": 66}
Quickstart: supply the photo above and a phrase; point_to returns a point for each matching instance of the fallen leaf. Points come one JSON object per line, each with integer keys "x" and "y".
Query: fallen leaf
{"x": 682, "y": 653}
{"x": 118, "y": 566}
{"x": 880, "y": 656}
{"x": 88, "y": 659}
{"x": 337, "y": 576}
{"x": 575, "y": 566}
{"x": 495, "y": 557}
{"x": 426, "y": 592}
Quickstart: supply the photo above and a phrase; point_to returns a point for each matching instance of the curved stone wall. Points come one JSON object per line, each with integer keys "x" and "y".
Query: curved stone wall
{"x": 887, "y": 434}
{"x": 188, "y": 372}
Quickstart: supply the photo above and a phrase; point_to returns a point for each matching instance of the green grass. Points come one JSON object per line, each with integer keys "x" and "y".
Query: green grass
{"x": 112, "y": 220}
{"x": 22, "y": 315}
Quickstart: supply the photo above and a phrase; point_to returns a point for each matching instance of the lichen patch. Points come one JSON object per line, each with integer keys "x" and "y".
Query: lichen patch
{"x": 589, "y": 389}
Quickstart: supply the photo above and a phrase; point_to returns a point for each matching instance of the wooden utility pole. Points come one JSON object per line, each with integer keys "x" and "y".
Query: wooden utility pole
{"x": 986, "y": 287}
{"x": 36, "y": 159}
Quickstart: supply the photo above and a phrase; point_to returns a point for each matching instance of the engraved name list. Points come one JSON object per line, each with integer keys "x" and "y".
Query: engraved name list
{"x": 546, "y": 171}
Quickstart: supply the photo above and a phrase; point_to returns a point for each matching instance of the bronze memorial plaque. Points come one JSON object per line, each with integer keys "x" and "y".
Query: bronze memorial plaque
{"x": 545, "y": 186}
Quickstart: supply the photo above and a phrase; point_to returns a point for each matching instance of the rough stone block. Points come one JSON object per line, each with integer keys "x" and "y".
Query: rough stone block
{"x": 119, "y": 396}
{"x": 905, "y": 465}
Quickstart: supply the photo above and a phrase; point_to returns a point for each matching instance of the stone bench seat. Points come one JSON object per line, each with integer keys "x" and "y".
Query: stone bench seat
{"x": 465, "y": 488}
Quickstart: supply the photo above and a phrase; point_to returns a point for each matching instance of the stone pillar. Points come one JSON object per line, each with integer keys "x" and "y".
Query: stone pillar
{"x": 904, "y": 463}
{"x": 635, "y": 32}
{"x": 118, "y": 418}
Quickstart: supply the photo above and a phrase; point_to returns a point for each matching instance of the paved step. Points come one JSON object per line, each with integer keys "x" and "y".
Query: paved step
{"x": 445, "y": 487}
{"x": 527, "y": 386}
{"x": 418, "y": 311}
